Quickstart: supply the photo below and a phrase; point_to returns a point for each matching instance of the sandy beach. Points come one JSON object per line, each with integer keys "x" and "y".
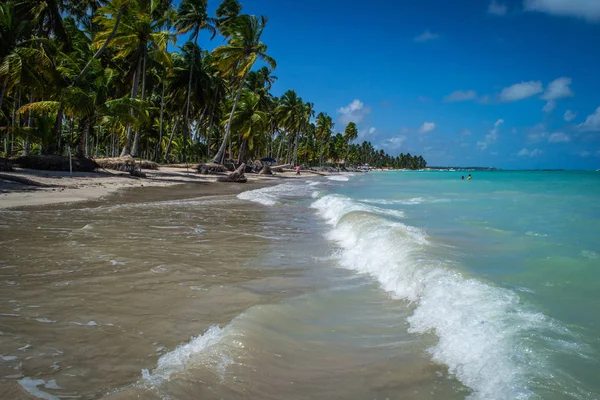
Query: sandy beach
{"x": 63, "y": 187}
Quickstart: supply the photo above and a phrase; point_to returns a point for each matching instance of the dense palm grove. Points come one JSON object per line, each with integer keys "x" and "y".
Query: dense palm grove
{"x": 106, "y": 78}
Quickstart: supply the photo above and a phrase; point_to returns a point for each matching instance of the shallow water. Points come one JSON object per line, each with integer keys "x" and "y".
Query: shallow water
{"x": 383, "y": 285}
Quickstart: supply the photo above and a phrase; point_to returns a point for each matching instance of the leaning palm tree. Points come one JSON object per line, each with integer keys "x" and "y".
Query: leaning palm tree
{"x": 237, "y": 58}
{"x": 250, "y": 121}
{"x": 192, "y": 17}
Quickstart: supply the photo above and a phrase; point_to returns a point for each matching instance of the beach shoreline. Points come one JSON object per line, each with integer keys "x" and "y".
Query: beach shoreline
{"x": 59, "y": 187}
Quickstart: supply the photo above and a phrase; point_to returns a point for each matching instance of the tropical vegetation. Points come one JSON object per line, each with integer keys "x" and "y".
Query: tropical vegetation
{"x": 107, "y": 78}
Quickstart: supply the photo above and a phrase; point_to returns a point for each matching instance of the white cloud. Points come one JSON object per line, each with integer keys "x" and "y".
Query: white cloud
{"x": 461, "y": 95}
{"x": 520, "y": 91}
{"x": 426, "y": 36}
{"x": 587, "y": 9}
{"x": 559, "y": 137}
{"x": 549, "y": 106}
{"x": 569, "y": 115}
{"x": 466, "y": 132}
{"x": 365, "y": 133}
{"x": 497, "y": 8}
{"x": 592, "y": 122}
{"x": 558, "y": 89}
{"x": 492, "y": 136}
{"x": 531, "y": 153}
{"x": 427, "y": 127}
{"x": 353, "y": 112}
{"x": 396, "y": 141}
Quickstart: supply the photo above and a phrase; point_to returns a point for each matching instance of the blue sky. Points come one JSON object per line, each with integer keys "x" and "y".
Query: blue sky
{"x": 505, "y": 83}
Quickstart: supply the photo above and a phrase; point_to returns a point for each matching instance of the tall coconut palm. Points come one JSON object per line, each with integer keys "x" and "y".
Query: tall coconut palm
{"x": 138, "y": 38}
{"x": 350, "y": 134}
{"x": 192, "y": 17}
{"x": 250, "y": 121}
{"x": 324, "y": 128}
{"x": 238, "y": 57}
{"x": 290, "y": 115}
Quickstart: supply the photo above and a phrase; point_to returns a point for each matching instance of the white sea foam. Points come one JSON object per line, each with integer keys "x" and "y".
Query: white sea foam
{"x": 184, "y": 355}
{"x": 411, "y": 201}
{"x": 480, "y": 327}
{"x": 339, "y": 178}
{"x": 272, "y": 195}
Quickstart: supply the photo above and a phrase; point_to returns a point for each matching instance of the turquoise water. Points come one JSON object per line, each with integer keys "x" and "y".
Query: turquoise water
{"x": 514, "y": 260}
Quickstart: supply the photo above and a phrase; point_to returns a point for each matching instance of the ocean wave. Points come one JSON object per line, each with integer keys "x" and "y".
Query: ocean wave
{"x": 339, "y": 178}
{"x": 411, "y": 201}
{"x": 480, "y": 327}
{"x": 189, "y": 353}
{"x": 269, "y": 196}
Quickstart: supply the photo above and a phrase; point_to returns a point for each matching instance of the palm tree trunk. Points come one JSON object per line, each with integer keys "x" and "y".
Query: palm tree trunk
{"x": 27, "y": 143}
{"x": 3, "y": 91}
{"x": 168, "y": 150}
{"x": 295, "y": 160}
{"x": 210, "y": 125}
{"x": 218, "y": 158}
{"x": 135, "y": 151}
{"x": 160, "y": 128}
{"x": 82, "y": 148}
{"x": 101, "y": 49}
{"x": 134, "y": 92}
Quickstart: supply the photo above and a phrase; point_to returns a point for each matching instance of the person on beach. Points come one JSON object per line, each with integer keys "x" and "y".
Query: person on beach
{"x": 469, "y": 177}
{"x": 297, "y": 170}
{"x": 462, "y": 178}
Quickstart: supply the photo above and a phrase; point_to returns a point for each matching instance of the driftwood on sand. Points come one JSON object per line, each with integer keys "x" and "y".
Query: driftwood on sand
{"x": 21, "y": 180}
{"x": 210, "y": 168}
{"x": 280, "y": 168}
{"x": 236, "y": 176}
{"x": 266, "y": 170}
{"x": 125, "y": 164}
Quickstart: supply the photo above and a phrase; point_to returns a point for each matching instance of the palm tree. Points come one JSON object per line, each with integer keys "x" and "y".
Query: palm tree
{"x": 192, "y": 17}
{"x": 350, "y": 134}
{"x": 250, "y": 121}
{"x": 237, "y": 58}
{"x": 138, "y": 38}
{"x": 324, "y": 128}
{"x": 290, "y": 114}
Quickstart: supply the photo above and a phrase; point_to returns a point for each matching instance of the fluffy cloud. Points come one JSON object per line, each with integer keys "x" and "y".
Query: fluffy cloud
{"x": 592, "y": 122}
{"x": 353, "y": 112}
{"x": 426, "y": 36}
{"x": 461, "y": 95}
{"x": 559, "y": 137}
{"x": 520, "y": 91}
{"x": 531, "y": 153}
{"x": 497, "y": 8}
{"x": 492, "y": 136}
{"x": 427, "y": 127}
{"x": 395, "y": 142}
{"x": 549, "y": 106}
{"x": 587, "y": 9}
{"x": 372, "y": 130}
{"x": 365, "y": 133}
{"x": 569, "y": 115}
{"x": 557, "y": 89}
{"x": 466, "y": 132}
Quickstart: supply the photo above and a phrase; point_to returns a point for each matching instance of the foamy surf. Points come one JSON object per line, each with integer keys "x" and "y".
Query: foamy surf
{"x": 269, "y": 196}
{"x": 481, "y": 328}
{"x": 339, "y": 178}
{"x": 175, "y": 361}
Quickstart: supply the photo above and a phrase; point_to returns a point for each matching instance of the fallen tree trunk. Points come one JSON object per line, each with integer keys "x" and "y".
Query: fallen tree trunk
{"x": 266, "y": 170}
{"x": 24, "y": 181}
{"x": 279, "y": 168}
{"x": 236, "y": 176}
